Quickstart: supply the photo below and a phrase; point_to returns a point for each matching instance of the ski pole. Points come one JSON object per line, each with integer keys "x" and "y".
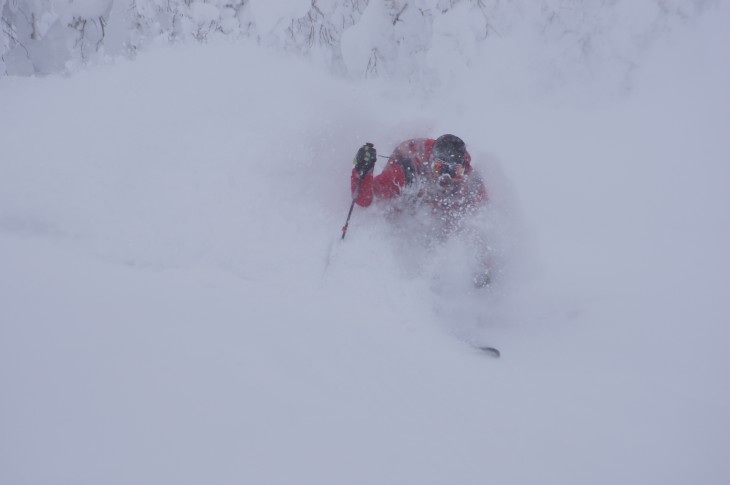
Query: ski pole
{"x": 352, "y": 206}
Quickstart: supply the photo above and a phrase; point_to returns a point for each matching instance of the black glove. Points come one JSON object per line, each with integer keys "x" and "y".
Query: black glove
{"x": 365, "y": 158}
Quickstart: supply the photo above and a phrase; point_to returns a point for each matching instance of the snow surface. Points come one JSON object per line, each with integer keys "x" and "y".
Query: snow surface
{"x": 176, "y": 306}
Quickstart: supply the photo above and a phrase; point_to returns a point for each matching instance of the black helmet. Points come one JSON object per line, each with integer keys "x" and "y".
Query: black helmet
{"x": 449, "y": 149}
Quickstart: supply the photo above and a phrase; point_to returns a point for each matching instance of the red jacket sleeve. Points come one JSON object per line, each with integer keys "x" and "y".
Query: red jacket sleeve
{"x": 386, "y": 185}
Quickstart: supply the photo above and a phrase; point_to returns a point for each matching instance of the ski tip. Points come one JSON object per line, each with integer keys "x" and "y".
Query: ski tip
{"x": 493, "y": 351}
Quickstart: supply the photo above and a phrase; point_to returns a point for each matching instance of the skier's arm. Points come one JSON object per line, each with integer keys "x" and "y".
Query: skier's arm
{"x": 477, "y": 195}
{"x": 361, "y": 180}
{"x": 364, "y": 195}
{"x": 385, "y": 185}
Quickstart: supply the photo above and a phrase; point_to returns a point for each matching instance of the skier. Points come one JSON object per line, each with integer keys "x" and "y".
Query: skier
{"x": 423, "y": 172}
{"x": 437, "y": 171}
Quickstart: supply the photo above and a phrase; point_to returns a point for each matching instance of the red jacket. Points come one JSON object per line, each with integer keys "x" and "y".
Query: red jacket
{"x": 409, "y": 170}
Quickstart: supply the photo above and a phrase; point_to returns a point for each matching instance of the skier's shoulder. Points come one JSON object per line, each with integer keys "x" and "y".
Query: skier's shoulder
{"x": 476, "y": 187}
{"x": 414, "y": 147}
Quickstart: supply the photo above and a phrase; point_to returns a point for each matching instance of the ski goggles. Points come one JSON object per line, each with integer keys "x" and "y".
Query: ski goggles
{"x": 454, "y": 170}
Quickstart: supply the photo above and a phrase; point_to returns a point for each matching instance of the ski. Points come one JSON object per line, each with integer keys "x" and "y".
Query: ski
{"x": 492, "y": 351}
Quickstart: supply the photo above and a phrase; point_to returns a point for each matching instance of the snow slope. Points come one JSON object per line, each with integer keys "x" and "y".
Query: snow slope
{"x": 177, "y": 308}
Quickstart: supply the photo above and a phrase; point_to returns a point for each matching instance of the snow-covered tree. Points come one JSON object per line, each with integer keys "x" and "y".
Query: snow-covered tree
{"x": 412, "y": 39}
